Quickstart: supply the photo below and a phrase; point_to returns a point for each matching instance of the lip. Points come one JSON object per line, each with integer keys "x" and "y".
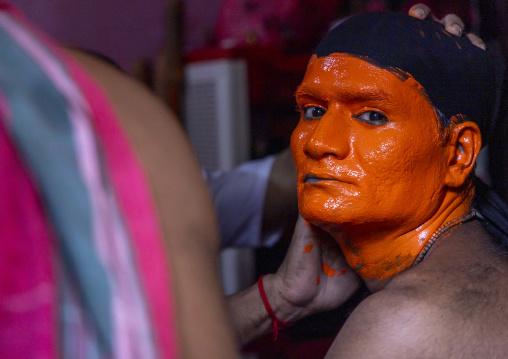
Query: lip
{"x": 313, "y": 178}
{"x": 310, "y": 178}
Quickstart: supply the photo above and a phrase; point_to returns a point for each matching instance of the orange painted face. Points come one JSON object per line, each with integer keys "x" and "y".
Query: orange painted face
{"x": 367, "y": 149}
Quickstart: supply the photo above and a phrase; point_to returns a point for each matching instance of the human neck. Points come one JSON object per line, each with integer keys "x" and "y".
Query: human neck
{"x": 378, "y": 256}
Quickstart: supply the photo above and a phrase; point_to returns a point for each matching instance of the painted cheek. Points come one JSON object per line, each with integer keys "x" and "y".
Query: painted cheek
{"x": 400, "y": 157}
{"x": 384, "y": 163}
{"x": 376, "y": 148}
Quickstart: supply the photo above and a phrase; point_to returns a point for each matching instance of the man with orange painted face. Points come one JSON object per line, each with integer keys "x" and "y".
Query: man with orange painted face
{"x": 394, "y": 111}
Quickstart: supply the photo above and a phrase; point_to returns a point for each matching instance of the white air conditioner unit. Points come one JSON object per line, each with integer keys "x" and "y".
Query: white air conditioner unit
{"x": 216, "y": 117}
{"x": 217, "y": 112}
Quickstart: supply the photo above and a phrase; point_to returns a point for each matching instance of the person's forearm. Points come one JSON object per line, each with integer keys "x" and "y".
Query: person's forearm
{"x": 249, "y": 316}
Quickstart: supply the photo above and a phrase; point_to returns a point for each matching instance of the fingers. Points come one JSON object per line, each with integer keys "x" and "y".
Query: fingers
{"x": 420, "y": 11}
{"x": 304, "y": 228}
{"x": 301, "y": 227}
{"x": 453, "y": 24}
{"x": 475, "y": 40}
{"x": 304, "y": 236}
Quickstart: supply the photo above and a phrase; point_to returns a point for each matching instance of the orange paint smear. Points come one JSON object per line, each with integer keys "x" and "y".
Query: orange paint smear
{"x": 308, "y": 248}
{"x": 342, "y": 272}
{"x": 328, "y": 271}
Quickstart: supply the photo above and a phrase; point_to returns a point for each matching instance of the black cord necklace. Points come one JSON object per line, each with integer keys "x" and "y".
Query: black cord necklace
{"x": 439, "y": 233}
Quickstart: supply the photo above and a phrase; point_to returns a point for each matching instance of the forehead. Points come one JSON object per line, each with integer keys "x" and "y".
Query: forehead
{"x": 349, "y": 77}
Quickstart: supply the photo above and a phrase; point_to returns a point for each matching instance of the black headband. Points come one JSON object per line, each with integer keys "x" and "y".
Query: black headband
{"x": 458, "y": 77}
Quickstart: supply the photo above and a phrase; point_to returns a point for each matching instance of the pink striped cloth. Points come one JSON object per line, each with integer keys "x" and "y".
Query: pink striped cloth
{"x": 77, "y": 184}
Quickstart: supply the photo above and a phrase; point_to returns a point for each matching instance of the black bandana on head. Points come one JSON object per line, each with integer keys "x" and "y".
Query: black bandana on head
{"x": 457, "y": 76}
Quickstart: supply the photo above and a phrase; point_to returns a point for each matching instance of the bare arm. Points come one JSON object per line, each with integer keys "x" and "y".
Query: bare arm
{"x": 314, "y": 277}
{"x": 249, "y": 316}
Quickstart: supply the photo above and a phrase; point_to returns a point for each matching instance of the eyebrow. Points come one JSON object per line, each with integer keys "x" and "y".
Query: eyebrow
{"x": 347, "y": 94}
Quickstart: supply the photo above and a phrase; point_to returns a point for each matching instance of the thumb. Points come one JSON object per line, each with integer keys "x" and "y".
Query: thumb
{"x": 305, "y": 234}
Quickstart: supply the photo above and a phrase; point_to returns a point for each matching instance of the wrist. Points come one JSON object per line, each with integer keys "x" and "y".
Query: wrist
{"x": 285, "y": 310}
{"x": 277, "y": 323}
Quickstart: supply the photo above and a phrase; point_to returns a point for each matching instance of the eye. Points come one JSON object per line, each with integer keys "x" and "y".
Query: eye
{"x": 375, "y": 118}
{"x": 310, "y": 113}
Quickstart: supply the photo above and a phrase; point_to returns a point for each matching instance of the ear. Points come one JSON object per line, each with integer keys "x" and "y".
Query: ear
{"x": 464, "y": 145}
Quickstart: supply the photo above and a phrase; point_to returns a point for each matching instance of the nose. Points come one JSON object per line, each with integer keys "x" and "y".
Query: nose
{"x": 329, "y": 138}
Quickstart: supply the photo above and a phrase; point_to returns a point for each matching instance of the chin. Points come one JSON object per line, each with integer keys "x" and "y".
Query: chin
{"x": 341, "y": 218}
{"x": 321, "y": 218}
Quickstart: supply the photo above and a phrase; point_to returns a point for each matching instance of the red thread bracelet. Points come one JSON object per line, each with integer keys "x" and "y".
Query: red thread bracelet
{"x": 276, "y": 322}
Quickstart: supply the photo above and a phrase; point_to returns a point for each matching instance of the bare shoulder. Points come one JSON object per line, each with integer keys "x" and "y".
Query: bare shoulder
{"x": 441, "y": 309}
{"x": 162, "y": 147}
{"x": 388, "y": 324}
{"x": 183, "y": 205}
